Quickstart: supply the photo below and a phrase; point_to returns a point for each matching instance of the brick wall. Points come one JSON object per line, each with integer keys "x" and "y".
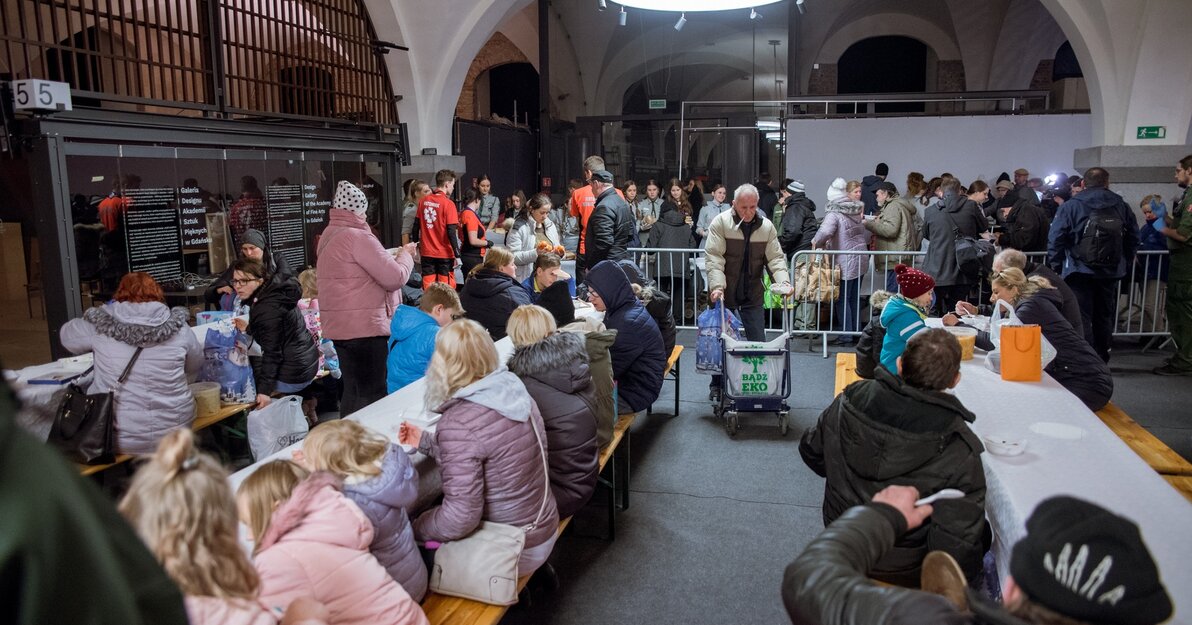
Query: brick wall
{"x": 823, "y": 80}
{"x": 498, "y": 51}
{"x": 1042, "y": 78}
{"x": 950, "y": 76}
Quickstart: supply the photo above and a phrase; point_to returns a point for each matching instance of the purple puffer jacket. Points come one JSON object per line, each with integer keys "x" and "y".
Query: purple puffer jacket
{"x": 359, "y": 282}
{"x": 555, "y": 372}
{"x": 490, "y": 461}
{"x": 844, "y": 229}
{"x": 385, "y": 500}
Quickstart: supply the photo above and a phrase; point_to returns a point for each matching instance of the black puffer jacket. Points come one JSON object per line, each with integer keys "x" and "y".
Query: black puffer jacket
{"x": 288, "y": 351}
{"x": 490, "y": 297}
{"x": 869, "y": 347}
{"x": 1076, "y": 366}
{"x": 610, "y": 231}
{"x": 555, "y": 372}
{"x": 881, "y": 432}
{"x": 274, "y": 264}
{"x": 798, "y": 224}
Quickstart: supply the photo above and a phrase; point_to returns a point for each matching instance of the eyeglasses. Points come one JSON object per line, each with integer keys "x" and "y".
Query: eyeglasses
{"x": 238, "y": 282}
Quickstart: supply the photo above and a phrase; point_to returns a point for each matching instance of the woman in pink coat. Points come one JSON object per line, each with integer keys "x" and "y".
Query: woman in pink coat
{"x": 315, "y": 544}
{"x": 843, "y": 229}
{"x": 359, "y": 288}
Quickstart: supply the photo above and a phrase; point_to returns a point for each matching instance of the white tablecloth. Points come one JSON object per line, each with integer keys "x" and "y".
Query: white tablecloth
{"x": 1071, "y": 452}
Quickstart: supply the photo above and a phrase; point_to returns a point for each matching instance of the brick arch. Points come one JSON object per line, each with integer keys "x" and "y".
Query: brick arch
{"x": 498, "y": 50}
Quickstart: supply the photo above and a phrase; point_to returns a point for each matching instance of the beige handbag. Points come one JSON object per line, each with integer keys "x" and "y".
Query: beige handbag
{"x": 817, "y": 280}
{"x": 483, "y": 565}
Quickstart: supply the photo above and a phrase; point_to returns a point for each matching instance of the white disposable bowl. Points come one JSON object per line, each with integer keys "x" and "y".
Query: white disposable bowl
{"x": 1003, "y": 445}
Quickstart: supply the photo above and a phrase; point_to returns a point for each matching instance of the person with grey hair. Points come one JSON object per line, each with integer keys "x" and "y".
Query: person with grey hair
{"x": 742, "y": 246}
{"x": 1016, "y": 258}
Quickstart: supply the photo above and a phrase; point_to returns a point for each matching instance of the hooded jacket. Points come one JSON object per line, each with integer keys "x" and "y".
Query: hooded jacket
{"x": 317, "y": 547}
{"x": 386, "y": 500}
{"x": 58, "y": 528}
{"x": 656, "y": 301}
{"x": 1025, "y": 226}
{"x": 883, "y": 431}
{"x": 844, "y": 229}
{"x": 411, "y": 344}
{"x": 902, "y": 319}
{"x": 1069, "y": 224}
{"x": 598, "y": 344}
{"x": 288, "y": 351}
{"x": 637, "y": 356}
{"x": 894, "y": 228}
{"x": 798, "y": 224}
{"x": 523, "y": 242}
{"x": 490, "y": 462}
{"x": 671, "y": 231}
{"x": 359, "y": 282}
{"x": 1076, "y": 366}
{"x": 490, "y": 297}
{"x": 938, "y": 228}
{"x": 735, "y": 262}
{"x": 555, "y": 372}
{"x": 611, "y": 229}
{"x": 156, "y": 398}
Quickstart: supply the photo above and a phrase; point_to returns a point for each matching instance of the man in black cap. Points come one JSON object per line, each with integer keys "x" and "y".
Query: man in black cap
{"x": 869, "y": 185}
{"x": 611, "y": 227}
{"x": 1078, "y": 563}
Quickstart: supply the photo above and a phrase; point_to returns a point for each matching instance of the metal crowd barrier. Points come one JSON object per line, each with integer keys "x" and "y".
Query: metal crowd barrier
{"x": 680, "y": 272}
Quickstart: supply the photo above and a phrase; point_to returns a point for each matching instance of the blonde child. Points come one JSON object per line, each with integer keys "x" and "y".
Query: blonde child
{"x": 180, "y": 505}
{"x": 311, "y": 541}
{"x": 379, "y": 477}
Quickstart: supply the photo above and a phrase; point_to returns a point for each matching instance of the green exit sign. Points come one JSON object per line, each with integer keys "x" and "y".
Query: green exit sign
{"x": 1152, "y": 132}
{"x": 657, "y": 104}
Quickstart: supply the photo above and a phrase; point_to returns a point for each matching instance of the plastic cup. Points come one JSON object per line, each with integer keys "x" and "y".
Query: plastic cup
{"x": 967, "y": 338}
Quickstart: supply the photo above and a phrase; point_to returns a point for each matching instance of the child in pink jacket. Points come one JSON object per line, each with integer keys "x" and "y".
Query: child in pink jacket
{"x": 179, "y": 503}
{"x": 311, "y": 541}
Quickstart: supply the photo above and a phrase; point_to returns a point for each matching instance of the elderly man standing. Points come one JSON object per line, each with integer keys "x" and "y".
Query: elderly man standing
{"x": 611, "y": 226}
{"x": 741, "y": 246}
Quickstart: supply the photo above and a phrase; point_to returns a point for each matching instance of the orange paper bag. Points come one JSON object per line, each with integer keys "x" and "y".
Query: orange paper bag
{"x": 1022, "y": 353}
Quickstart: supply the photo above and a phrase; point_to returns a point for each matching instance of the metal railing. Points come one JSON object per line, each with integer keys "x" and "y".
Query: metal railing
{"x": 681, "y": 273}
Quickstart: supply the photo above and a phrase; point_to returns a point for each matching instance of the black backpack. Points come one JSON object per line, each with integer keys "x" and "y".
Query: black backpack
{"x": 1100, "y": 243}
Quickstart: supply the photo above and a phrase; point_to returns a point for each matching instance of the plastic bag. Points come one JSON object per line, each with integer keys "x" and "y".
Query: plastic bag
{"x": 276, "y": 426}
{"x": 225, "y": 353}
{"x": 712, "y": 323}
{"x": 755, "y": 375}
{"x": 993, "y": 360}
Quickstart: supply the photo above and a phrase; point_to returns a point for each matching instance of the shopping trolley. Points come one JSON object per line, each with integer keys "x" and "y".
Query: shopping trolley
{"x": 756, "y": 377}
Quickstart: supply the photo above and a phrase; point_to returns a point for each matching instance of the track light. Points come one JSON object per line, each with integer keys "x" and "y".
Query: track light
{"x": 799, "y": 5}
{"x": 601, "y": 5}
{"x": 753, "y": 14}
{"x": 622, "y": 17}
{"x": 682, "y": 22}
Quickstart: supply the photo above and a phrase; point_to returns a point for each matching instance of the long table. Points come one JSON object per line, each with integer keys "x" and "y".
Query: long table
{"x": 1069, "y": 451}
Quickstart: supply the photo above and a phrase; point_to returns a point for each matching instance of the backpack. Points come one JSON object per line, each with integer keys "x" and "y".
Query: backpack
{"x": 1100, "y": 242}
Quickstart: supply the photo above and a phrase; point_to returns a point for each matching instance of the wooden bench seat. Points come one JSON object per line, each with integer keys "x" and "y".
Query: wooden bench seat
{"x": 445, "y": 610}
{"x": 200, "y": 423}
{"x": 1182, "y": 483}
{"x": 846, "y": 371}
{"x": 672, "y": 373}
{"x": 1159, "y": 456}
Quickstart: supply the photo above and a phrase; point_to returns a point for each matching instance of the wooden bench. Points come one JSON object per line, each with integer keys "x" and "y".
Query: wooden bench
{"x": 444, "y": 610}
{"x": 672, "y": 372}
{"x": 200, "y": 423}
{"x": 1159, "y": 456}
{"x": 1182, "y": 483}
{"x": 846, "y": 371}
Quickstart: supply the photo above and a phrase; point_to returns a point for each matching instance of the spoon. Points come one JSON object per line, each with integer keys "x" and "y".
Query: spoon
{"x": 947, "y": 493}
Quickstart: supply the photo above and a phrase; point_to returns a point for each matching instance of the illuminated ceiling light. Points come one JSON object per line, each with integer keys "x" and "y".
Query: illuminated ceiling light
{"x": 799, "y": 5}
{"x": 753, "y": 14}
{"x": 623, "y": 17}
{"x": 768, "y": 125}
{"x": 601, "y": 5}
{"x": 694, "y": 6}
{"x": 682, "y": 22}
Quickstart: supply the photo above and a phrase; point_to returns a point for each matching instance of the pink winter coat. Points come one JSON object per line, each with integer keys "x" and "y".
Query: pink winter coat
{"x": 491, "y": 463}
{"x": 216, "y": 611}
{"x": 844, "y": 229}
{"x": 317, "y": 546}
{"x": 359, "y": 282}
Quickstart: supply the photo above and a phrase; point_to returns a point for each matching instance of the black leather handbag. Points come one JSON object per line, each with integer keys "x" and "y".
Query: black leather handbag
{"x": 84, "y": 427}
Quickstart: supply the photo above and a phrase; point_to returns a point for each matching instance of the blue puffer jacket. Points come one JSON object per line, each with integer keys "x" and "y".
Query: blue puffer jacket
{"x": 902, "y": 319}
{"x": 411, "y": 342}
{"x": 637, "y": 354}
{"x": 386, "y": 500}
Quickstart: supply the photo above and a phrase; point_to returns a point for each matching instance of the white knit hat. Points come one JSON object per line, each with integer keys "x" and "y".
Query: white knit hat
{"x": 349, "y": 197}
{"x": 837, "y": 191}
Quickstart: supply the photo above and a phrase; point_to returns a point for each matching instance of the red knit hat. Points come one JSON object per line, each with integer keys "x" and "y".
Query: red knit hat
{"x": 911, "y": 282}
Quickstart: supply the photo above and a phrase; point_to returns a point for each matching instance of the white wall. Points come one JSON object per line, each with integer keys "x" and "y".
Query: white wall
{"x": 971, "y": 148}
